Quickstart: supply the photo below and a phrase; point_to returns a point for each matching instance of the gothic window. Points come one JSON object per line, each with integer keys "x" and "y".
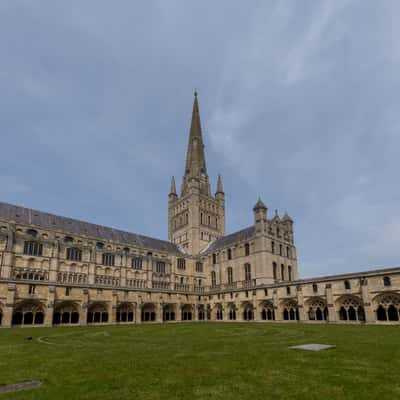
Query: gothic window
{"x": 32, "y": 248}
{"x": 272, "y": 247}
{"x": 346, "y": 284}
{"x": 74, "y": 254}
{"x": 187, "y": 218}
{"x": 289, "y": 273}
{"x": 32, "y": 289}
{"x": 201, "y": 218}
{"x": 265, "y": 292}
{"x": 181, "y": 263}
{"x": 246, "y": 249}
{"x": 67, "y": 291}
{"x": 108, "y": 259}
{"x": 32, "y": 232}
{"x": 214, "y": 258}
{"x": 137, "y": 263}
{"x": 209, "y": 220}
{"x": 229, "y": 254}
{"x": 287, "y": 252}
{"x": 247, "y": 272}
{"x": 274, "y": 270}
{"x": 288, "y": 290}
{"x": 280, "y": 249}
{"x": 160, "y": 267}
{"x": 315, "y": 288}
{"x": 387, "y": 281}
{"x": 282, "y": 272}
{"x": 199, "y": 266}
{"x": 213, "y": 278}
{"x": 230, "y": 275}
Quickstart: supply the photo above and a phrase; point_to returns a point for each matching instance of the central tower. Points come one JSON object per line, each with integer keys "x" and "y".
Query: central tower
{"x": 196, "y": 217}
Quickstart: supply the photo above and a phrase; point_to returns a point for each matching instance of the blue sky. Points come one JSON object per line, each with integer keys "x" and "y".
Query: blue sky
{"x": 299, "y": 104}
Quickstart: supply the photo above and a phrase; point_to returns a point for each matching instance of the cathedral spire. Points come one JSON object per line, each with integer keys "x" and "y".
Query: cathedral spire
{"x": 195, "y": 168}
{"x": 195, "y": 158}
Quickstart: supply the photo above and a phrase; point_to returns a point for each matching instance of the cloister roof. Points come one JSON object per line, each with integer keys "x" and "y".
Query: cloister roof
{"x": 10, "y": 212}
{"x": 243, "y": 234}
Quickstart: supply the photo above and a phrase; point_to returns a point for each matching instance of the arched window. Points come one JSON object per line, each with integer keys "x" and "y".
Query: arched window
{"x": 315, "y": 288}
{"x": 387, "y": 281}
{"x": 272, "y": 247}
{"x": 287, "y": 252}
{"x": 280, "y": 249}
{"x": 74, "y": 254}
{"x": 160, "y": 267}
{"x": 32, "y": 248}
{"x": 137, "y": 263}
{"x": 199, "y": 266}
{"x": 282, "y": 272}
{"x": 246, "y": 249}
{"x": 289, "y": 272}
{"x": 214, "y": 258}
{"x": 229, "y": 254}
{"x": 181, "y": 263}
{"x": 213, "y": 278}
{"x": 247, "y": 272}
{"x": 108, "y": 259}
{"x": 274, "y": 270}
{"x": 346, "y": 284}
{"x": 230, "y": 275}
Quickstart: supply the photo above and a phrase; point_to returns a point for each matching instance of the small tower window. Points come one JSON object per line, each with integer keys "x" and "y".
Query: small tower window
{"x": 387, "y": 281}
{"x": 247, "y": 272}
{"x": 289, "y": 272}
{"x": 280, "y": 249}
{"x": 199, "y": 266}
{"x": 272, "y": 247}
{"x": 282, "y": 272}
{"x": 213, "y": 278}
{"x": 230, "y": 275}
{"x": 288, "y": 290}
{"x": 246, "y": 249}
{"x": 347, "y": 285}
{"x": 315, "y": 288}
{"x": 229, "y": 254}
{"x": 274, "y": 270}
{"x": 181, "y": 263}
{"x": 214, "y": 258}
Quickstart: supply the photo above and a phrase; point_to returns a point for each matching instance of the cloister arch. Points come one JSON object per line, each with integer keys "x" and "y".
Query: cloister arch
{"x": 219, "y": 312}
{"x": 267, "y": 311}
{"x": 125, "y": 312}
{"x": 387, "y": 307}
{"x": 187, "y": 312}
{"x": 248, "y": 311}
{"x": 290, "y": 310}
{"x": 232, "y": 312}
{"x": 317, "y": 309}
{"x": 97, "y": 313}
{"x": 350, "y": 308}
{"x": 66, "y": 312}
{"x": 169, "y": 312}
{"x": 148, "y": 312}
{"x": 29, "y": 312}
{"x": 201, "y": 312}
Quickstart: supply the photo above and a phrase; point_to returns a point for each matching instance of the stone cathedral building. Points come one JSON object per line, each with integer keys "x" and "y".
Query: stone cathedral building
{"x": 56, "y": 270}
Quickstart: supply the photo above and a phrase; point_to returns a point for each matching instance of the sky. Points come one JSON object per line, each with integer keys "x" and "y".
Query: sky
{"x": 299, "y": 102}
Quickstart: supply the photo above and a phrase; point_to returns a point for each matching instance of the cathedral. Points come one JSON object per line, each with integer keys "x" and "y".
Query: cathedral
{"x": 56, "y": 270}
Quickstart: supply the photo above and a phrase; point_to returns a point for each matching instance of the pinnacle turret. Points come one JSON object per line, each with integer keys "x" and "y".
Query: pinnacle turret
{"x": 173, "y": 186}
{"x": 219, "y": 185}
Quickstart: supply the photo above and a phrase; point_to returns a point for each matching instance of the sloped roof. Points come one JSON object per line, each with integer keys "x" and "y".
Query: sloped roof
{"x": 244, "y": 234}
{"x": 10, "y": 212}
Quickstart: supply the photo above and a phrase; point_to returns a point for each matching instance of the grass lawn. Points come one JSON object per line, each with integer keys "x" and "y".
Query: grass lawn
{"x": 203, "y": 361}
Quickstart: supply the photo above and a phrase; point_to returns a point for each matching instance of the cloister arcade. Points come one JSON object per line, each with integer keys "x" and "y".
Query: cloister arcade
{"x": 29, "y": 312}
{"x": 268, "y": 312}
{"x": 148, "y": 312}
{"x": 317, "y": 309}
{"x": 125, "y": 312}
{"x": 187, "y": 312}
{"x": 350, "y": 308}
{"x": 290, "y": 310}
{"x": 66, "y": 312}
{"x": 248, "y": 311}
{"x": 232, "y": 312}
{"x": 97, "y": 312}
{"x": 169, "y": 312}
{"x": 387, "y": 307}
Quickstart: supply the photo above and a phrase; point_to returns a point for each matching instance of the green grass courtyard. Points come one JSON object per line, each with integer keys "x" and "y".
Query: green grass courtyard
{"x": 202, "y": 361}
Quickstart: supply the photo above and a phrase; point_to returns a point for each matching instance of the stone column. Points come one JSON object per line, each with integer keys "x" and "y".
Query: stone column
{"x": 275, "y": 299}
{"x": 114, "y": 304}
{"x": 9, "y": 306}
{"x": 330, "y": 303}
{"x": 368, "y": 309}
{"x": 159, "y": 313}
{"x": 84, "y": 308}
{"x": 300, "y": 303}
{"x": 48, "y": 319}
